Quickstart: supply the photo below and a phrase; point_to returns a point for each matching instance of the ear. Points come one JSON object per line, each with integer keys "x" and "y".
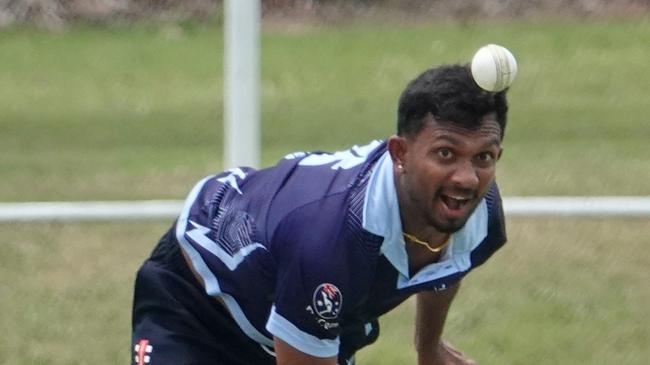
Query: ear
{"x": 500, "y": 153}
{"x": 397, "y": 147}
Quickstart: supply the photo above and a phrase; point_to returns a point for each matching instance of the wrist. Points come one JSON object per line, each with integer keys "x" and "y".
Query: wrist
{"x": 431, "y": 355}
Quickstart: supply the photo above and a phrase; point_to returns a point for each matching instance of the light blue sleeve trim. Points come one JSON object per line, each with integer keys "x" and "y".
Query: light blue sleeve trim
{"x": 281, "y": 328}
{"x": 211, "y": 283}
{"x": 243, "y": 322}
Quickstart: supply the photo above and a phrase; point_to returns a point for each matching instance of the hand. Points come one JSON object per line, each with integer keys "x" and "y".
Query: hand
{"x": 448, "y": 355}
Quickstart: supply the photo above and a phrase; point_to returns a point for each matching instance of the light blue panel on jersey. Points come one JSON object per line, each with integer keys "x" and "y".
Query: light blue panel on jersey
{"x": 457, "y": 255}
{"x": 212, "y": 287}
{"x": 347, "y": 159}
{"x": 211, "y": 283}
{"x": 303, "y": 341}
{"x": 199, "y": 235}
{"x": 381, "y": 217}
{"x": 381, "y": 214}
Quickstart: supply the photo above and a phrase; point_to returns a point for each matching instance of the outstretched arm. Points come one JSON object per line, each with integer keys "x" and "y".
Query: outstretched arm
{"x": 431, "y": 313}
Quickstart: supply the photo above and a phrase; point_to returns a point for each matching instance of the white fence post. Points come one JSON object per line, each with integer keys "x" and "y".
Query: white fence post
{"x": 584, "y": 207}
{"x": 242, "y": 83}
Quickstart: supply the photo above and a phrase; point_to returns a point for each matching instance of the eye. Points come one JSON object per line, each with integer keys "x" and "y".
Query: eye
{"x": 444, "y": 153}
{"x": 486, "y": 157}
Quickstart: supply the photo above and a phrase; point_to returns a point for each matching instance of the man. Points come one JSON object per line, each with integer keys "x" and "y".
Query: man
{"x": 294, "y": 264}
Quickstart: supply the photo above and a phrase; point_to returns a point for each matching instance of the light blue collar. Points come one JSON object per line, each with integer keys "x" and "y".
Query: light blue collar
{"x": 381, "y": 216}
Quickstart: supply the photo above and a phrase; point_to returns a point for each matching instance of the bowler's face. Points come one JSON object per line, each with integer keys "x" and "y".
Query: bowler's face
{"x": 447, "y": 170}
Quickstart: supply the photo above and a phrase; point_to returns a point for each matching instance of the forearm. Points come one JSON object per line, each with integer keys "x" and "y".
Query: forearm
{"x": 287, "y": 355}
{"x": 431, "y": 313}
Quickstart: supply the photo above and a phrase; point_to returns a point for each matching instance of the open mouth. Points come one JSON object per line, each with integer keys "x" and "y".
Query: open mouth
{"x": 455, "y": 203}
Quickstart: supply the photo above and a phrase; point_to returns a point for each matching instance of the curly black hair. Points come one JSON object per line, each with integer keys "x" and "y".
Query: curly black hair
{"x": 449, "y": 94}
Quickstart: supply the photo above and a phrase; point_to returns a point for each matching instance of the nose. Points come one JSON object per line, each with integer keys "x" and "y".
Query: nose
{"x": 465, "y": 176}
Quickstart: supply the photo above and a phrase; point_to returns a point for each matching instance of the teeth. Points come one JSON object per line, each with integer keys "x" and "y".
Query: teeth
{"x": 452, "y": 202}
{"x": 455, "y": 202}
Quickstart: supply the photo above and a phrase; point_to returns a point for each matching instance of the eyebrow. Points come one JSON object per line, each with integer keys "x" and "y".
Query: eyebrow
{"x": 451, "y": 140}
{"x": 492, "y": 142}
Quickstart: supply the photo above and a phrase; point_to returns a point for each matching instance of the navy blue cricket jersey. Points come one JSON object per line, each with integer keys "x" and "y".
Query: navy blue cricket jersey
{"x": 311, "y": 250}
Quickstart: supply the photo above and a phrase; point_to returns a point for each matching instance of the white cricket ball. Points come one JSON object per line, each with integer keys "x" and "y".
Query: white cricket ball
{"x": 494, "y": 67}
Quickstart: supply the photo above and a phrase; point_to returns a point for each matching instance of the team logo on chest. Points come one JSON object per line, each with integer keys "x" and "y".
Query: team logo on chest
{"x": 327, "y": 301}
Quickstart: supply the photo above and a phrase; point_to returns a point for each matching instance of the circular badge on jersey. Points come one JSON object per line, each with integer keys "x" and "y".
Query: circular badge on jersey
{"x": 327, "y": 301}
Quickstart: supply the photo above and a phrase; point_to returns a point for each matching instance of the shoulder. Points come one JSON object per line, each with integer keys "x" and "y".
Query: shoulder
{"x": 317, "y": 187}
{"x": 324, "y": 233}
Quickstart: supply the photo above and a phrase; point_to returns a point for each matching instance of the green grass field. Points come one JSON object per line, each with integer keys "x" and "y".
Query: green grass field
{"x": 135, "y": 113}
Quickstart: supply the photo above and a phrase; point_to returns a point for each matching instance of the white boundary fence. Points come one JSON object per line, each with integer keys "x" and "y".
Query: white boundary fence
{"x": 603, "y": 206}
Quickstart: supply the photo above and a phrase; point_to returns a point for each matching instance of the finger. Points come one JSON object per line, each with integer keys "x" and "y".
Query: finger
{"x": 457, "y": 355}
{"x": 451, "y": 349}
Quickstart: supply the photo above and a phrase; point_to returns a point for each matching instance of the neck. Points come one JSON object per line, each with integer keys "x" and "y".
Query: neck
{"x": 415, "y": 222}
{"x": 423, "y": 231}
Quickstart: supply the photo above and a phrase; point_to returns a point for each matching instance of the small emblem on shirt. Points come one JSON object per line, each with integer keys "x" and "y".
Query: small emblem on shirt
{"x": 327, "y": 301}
